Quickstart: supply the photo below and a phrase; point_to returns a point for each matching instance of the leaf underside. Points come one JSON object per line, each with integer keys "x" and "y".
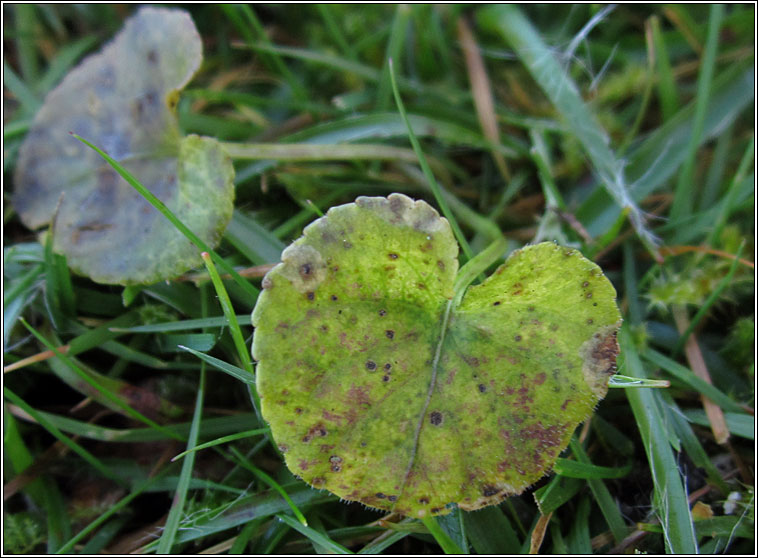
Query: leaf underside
{"x": 122, "y": 99}
{"x": 378, "y": 390}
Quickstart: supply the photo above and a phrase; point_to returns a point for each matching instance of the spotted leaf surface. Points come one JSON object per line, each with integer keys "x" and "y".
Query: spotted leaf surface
{"x": 122, "y": 99}
{"x": 379, "y": 390}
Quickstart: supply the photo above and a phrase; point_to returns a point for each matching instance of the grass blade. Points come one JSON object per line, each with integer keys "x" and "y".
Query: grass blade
{"x": 50, "y": 427}
{"x": 434, "y": 185}
{"x": 563, "y": 93}
{"x": 448, "y": 545}
{"x": 685, "y": 187}
{"x": 180, "y": 496}
{"x": 670, "y": 498}
{"x": 234, "y": 371}
{"x": 314, "y": 536}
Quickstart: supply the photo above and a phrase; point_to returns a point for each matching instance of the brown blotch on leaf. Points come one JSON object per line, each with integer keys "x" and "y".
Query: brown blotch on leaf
{"x": 586, "y": 284}
{"x": 298, "y": 411}
{"x": 589, "y": 295}
{"x": 283, "y": 448}
{"x": 435, "y": 418}
{"x": 370, "y": 365}
{"x": 423, "y": 500}
{"x": 390, "y": 334}
{"x": 530, "y": 309}
{"x": 310, "y": 295}
{"x": 441, "y": 264}
{"x": 315, "y": 431}
{"x": 421, "y": 285}
{"x": 489, "y": 490}
{"x": 605, "y": 352}
{"x": 382, "y": 312}
{"x": 482, "y": 388}
{"x": 267, "y": 283}
{"x": 517, "y": 338}
{"x": 392, "y": 256}
{"x": 590, "y": 321}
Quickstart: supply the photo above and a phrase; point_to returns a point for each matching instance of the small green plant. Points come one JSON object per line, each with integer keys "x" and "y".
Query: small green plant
{"x": 386, "y": 380}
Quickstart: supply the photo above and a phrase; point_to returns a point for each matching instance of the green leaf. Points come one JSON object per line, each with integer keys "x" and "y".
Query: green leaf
{"x": 385, "y": 381}
{"x": 122, "y": 99}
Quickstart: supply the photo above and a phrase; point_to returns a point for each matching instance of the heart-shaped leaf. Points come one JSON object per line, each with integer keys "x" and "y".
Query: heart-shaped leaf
{"x": 383, "y": 385}
{"x": 122, "y": 100}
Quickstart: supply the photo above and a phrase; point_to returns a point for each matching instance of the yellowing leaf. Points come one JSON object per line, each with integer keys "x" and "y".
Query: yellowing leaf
{"x": 381, "y": 388}
{"x": 122, "y": 100}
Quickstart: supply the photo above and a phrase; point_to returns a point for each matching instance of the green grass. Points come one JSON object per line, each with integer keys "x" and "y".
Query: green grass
{"x": 629, "y": 136}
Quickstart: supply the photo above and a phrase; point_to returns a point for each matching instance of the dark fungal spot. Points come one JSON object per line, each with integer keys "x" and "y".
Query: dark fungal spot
{"x": 385, "y": 378}
{"x": 387, "y": 366}
{"x": 482, "y": 388}
{"x": 316, "y": 431}
{"x": 530, "y": 309}
{"x": 586, "y": 284}
{"x": 336, "y": 463}
{"x": 298, "y": 411}
{"x": 370, "y": 365}
{"x": 421, "y": 285}
{"x": 496, "y": 303}
{"x": 517, "y": 338}
{"x": 380, "y": 495}
{"x": 392, "y": 256}
{"x": 390, "y": 334}
{"x": 589, "y": 295}
{"x": 310, "y": 295}
{"x": 489, "y": 490}
{"x": 382, "y": 312}
{"x": 306, "y": 270}
{"x": 152, "y": 56}
{"x": 392, "y": 498}
{"x": 441, "y": 264}
{"x": 423, "y": 500}
{"x": 283, "y": 448}
{"x": 435, "y": 418}
{"x": 333, "y": 297}
{"x": 435, "y": 510}
{"x": 590, "y": 321}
